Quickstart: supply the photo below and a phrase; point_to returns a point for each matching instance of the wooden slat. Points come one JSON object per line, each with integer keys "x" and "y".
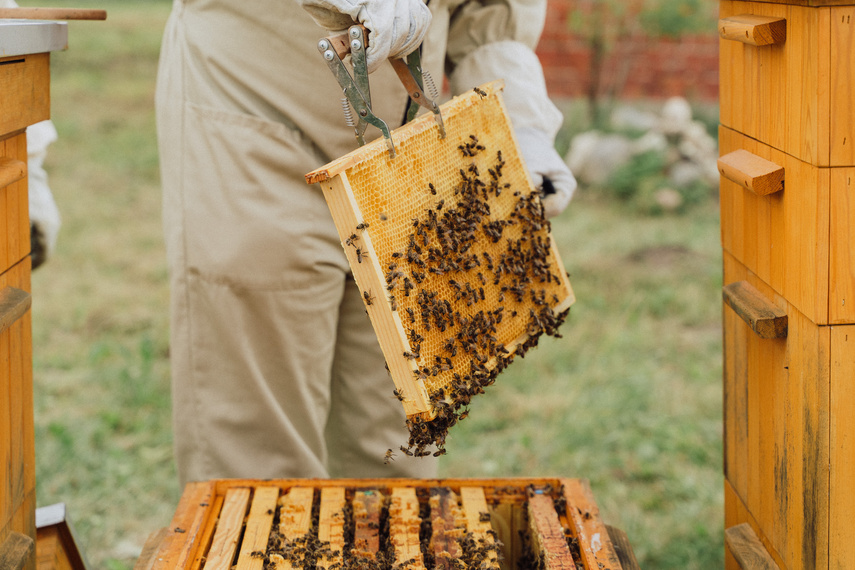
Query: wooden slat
{"x": 148, "y": 556}
{"x": 447, "y": 525}
{"x": 331, "y": 525}
{"x": 779, "y": 94}
{"x": 206, "y": 534}
{"x": 841, "y": 296}
{"x": 737, "y": 513}
{"x": 52, "y": 14}
{"x": 623, "y": 548}
{"x": 221, "y": 555}
{"x": 369, "y": 277}
{"x": 295, "y": 520}
{"x": 786, "y": 388}
{"x": 765, "y": 318}
{"x": 404, "y": 526}
{"x": 783, "y": 237}
{"x": 842, "y": 104}
{"x": 366, "y": 523}
{"x": 26, "y": 92}
{"x": 16, "y": 551}
{"x": 842, "y": 499}
{"x": 747, "y": 548}
{"x": 295, "y": 512}
{"x": 752, "y": 172}
{"x": 753, "y": 30}
{"x": 478, "y": 521}
{"x": 587, "y": 527}
{"x": 253, "y": 546}
{"x": 547, "y": 533}
{"x": 11, "y": 170}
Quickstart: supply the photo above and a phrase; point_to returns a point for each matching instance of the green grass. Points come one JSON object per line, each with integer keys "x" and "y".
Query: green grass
{"x": 630, "y": 398}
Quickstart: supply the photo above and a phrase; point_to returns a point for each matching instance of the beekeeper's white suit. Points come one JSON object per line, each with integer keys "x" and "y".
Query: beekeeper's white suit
{"x": 276, "y": 369}
{"x": 44, "y": 215}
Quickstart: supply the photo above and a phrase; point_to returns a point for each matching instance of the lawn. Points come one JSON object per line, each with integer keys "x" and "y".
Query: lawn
{"x": 630, "y": 397}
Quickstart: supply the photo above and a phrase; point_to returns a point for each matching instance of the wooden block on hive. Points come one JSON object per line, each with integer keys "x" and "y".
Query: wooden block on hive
{"x": 449, "y": 246}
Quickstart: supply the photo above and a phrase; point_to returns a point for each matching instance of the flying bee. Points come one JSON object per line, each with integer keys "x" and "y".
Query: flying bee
{"x": 390, "y": 456}
{"x": 367, "y": 296}
{"x": 480, "y": 92}
{"x": 383, "y": 217}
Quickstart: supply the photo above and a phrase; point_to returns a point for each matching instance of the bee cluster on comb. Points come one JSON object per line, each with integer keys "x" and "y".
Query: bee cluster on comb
{"x": 450, "y": 247}
{"x": 464, "y": 294}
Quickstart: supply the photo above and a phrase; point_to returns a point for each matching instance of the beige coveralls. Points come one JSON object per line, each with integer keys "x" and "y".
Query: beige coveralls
{"x": 276, "y": 369}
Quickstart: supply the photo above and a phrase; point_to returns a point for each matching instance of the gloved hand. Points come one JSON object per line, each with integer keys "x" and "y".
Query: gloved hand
{"x": 534, "y": 117}
{"x": 548, "y": 171}
{"x": 44, "y": 215}
{"x": 396, "y": 27}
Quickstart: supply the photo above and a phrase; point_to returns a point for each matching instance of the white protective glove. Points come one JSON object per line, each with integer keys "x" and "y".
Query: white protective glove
{"x": 396, "y": 27}
{"x": 534, "y": 117}
{"x": 44, "y": 215}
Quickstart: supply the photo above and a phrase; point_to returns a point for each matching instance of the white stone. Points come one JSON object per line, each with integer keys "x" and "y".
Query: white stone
{"x": 633, "y": 118}
{"x": 676, "y": 115}
{"x": 594, "y": 156}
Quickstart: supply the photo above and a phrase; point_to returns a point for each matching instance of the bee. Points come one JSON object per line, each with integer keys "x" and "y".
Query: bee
{"x": 411, "y": 314}
{"x": 398, "y": 394}
{"x": 390, "y": 456}
{"x": 393, "y": 303}
{"x": 351, "y": 239}
{"x": 432, "y": 188}
{"x": 397, "y": 254}
{"x": 406, "y": 451}
{"x": 367, "y": 296}
{"x": 359, "y": 254}
{"x": 439, "y": 452}
{"x": 440, "y": 204}
{"x": 361, "y": 225}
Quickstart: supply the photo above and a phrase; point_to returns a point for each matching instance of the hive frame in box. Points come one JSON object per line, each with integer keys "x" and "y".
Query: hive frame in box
{"x": 376, "y": 201}
{"x": 194, "y": 532}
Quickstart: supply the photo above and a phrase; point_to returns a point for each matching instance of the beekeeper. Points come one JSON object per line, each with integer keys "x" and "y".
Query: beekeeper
{"x": 276, "y": 369}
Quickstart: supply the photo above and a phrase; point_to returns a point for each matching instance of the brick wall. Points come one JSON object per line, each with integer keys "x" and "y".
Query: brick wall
{"x": 641, "y": 67}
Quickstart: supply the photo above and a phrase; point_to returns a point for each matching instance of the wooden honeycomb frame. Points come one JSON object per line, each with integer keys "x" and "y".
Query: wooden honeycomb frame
{"x": 248, "y": 524}
{"x": 375, "y": 202}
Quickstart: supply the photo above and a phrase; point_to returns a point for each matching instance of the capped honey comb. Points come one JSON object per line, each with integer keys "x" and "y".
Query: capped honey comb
{"x": 450, "y": 248}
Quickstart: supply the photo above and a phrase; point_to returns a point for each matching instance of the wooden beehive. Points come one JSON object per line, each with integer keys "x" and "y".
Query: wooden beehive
{"x": 385, "y": 523}
{"x": 788, "y": 222}
{"x": 448, "y": 244}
